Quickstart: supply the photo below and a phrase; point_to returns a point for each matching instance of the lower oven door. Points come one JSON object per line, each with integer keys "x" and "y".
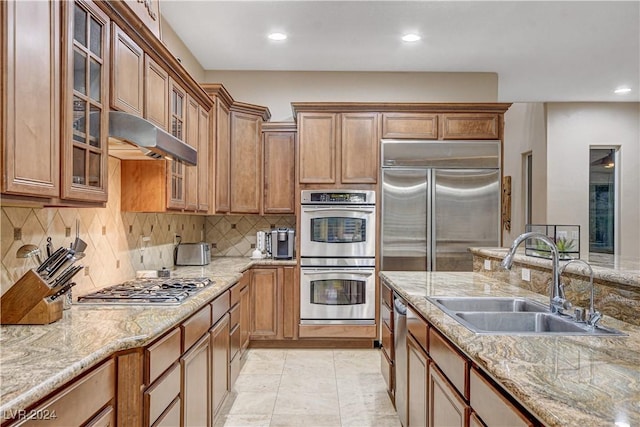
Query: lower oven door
{"x": 337, "y": 296}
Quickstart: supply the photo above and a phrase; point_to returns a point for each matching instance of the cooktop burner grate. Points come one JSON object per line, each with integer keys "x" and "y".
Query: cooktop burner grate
{"x": 148, "y": 291}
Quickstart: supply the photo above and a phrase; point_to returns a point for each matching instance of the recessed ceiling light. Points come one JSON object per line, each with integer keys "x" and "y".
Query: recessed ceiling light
{"x": 622, "y": 90}
{"x": 411, "y": 38}
{"x": 277, "y": 36}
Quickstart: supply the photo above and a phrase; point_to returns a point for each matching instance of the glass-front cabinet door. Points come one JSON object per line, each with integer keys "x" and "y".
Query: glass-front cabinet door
{"x": 85, "y": 112}
{"x": 176, "y": 176}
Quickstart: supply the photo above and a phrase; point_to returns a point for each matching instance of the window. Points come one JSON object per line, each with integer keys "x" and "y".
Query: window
{"x": 602, "y": 200}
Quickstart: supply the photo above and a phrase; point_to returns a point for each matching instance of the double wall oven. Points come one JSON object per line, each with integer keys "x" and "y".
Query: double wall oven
{"x": 337, "y": 257}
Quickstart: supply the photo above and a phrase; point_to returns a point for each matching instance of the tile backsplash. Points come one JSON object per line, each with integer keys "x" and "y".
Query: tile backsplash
{"x": 115, "y": 244}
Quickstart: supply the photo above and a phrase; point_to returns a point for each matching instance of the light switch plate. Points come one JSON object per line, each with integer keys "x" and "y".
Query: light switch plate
{"x": 487, "y": 264}
{"x": 526, "y": 274}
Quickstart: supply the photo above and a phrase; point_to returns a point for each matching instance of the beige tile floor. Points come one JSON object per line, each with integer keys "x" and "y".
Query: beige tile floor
{"x": 309, "y": 388}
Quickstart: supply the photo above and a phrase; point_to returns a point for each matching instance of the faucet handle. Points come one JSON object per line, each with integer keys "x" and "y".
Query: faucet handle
{"x": 594, "y": 318}
{"x": 580, "y": 314}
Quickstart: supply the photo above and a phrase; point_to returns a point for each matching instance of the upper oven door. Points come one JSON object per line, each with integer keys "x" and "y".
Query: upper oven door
{"x": 338, "y": 231}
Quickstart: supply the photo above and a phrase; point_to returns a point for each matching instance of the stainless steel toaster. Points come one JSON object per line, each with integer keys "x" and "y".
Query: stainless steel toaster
{"x": 192, "y": 254}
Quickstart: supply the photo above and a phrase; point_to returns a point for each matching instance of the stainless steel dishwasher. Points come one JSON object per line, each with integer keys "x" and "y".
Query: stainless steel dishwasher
{"x": 400, "y": 347}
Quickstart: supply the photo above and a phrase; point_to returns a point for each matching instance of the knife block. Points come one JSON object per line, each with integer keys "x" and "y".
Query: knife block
{"x": 25, "y": 304}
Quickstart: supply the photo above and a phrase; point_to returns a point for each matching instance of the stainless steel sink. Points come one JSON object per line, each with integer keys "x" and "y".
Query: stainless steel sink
{"x": 513, "y": 316}
{"x": 489, "y": 304}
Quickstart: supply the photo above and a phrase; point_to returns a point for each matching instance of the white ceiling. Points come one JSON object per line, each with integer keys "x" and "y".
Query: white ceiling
{"x": 541, "y": 51}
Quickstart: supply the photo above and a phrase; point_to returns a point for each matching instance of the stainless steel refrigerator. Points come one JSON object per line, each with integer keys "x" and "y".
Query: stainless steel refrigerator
{"x": 438, "y": 199}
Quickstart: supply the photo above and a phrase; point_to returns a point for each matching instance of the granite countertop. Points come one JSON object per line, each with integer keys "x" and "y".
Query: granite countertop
{"x": 35, "y": 360}
{"x": 563, "y": 381}
{"x": 622, "y": 271}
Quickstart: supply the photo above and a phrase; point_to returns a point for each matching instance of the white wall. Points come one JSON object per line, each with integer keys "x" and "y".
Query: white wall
{"x": 572, "y": 128}
{"x": 525, "y": 132}
{"x": 278, "y": 89}
{"x": 180, "y": 51}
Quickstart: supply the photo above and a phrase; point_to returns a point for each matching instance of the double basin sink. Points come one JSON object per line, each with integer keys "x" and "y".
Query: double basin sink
{"x": 513, "y": 316}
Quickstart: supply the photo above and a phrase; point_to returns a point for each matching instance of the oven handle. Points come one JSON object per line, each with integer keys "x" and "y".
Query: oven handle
{"x": 319, "y": 273}
{"x": 365, "y": 210}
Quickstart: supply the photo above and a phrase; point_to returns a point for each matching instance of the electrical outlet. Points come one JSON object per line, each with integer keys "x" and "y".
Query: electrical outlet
{"x": 526, "y": 274}
{"x": 487, "y": 264}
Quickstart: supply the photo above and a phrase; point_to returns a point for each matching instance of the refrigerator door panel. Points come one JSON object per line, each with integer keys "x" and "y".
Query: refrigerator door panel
{"x": 466, "y": 206}
{"x": 404, "y": 220}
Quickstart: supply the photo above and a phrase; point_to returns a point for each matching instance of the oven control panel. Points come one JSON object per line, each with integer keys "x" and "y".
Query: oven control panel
{"x": 351, "y": 197}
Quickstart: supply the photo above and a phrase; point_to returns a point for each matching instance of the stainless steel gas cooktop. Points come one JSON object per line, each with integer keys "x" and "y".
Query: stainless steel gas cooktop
{"x": 148, "y": 291}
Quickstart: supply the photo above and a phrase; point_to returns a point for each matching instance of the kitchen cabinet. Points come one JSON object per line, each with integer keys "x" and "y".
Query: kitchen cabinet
{"x": 387, "y": 359}
{"x": 279, "y": 147}
{"x": 239, "y": 318}
{"x": 204, "y": 162}
{"x": 245, "y": 169}
{"x": 471, "y": 126}
{"x": 192, "y": 116}
{"x": 195, "y": 391}
{"x": 176, "y": 198}
{"x": 266, "y": 303}
{"x": 410, "y": 125}
{"x": 85, "y": 401}
{"x": 85, "y": 111}
{"x": 446, "y": 408}
{"x": 219, "y": 363}
{"x": 156, "y": 94}
{"x": 31, "y": 95}
{"x": 161, "y": 397}
{"x": 338, "y": 148}
{"x": 417, "y": 383}
{"x": 127, "y": 72}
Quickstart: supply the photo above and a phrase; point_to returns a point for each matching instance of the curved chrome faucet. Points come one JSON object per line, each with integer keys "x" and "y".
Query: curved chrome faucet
{"x": 594, "y": 316}
{"x": 557, "y": 303}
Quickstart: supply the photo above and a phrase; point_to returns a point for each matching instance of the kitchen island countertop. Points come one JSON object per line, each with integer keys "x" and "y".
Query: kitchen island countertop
{"x": 36, "y": 360}
{"x": 562, "y": 380}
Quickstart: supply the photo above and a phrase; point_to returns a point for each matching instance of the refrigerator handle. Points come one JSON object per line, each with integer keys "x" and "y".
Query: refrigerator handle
{"x": 430, "y": 221}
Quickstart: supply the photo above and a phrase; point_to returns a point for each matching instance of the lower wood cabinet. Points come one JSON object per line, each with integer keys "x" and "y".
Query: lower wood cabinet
{"x": 160, "y": 396}
{"x": 87, "y": 401}
{"x": 446, "y": 407}
{"x": 417, "y": 384}
{"x": 195, "y": 384}
{"x": 266, "y": 306}
{"x": 219, "y": 336}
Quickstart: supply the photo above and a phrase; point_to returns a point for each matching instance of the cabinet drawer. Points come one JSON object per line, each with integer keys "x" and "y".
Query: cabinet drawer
{"x": 106, "y": 418}
{"x": 387, "y": 342}
{"x": 386, "y": 367}
{"x": 451, "y": 363}
{"x": 219, "y": 307}
{"x": 470, "y": 126}
{"x": 160, "y": 395}
{"x": 236, "y": 289}
{"x": 234, "y": 371}
{"x": 386, "y": 314}
{"x": 410, "y": 125}
{"x": 195, "y": 327}
{"x": 162, "y": 354}
{"x": 446, "y": 407}
{"x": 75, "y": 404}
{"x": 171, "y": 417}
{"x": 234, "y": 342}
{"x": 386, "y": 295}
{"x": 418, "y": 328}
{"x": 491, "y": 406}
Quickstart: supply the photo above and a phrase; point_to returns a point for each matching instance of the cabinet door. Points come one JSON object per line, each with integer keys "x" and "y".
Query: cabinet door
{"x": 204, "y": 141}
{"x": 156, "y": 94}
{"x": 317, "y": 148}
{"x": 30, "y": 115}
{"x": 245, "y": 318}
{"x": 359, "y": 164}
{"x": 176, "y": 176}
{"x": 191, "y": 138}
{"x": 279, "y": 173}
{"x": 85, "y": 115}
{"x": 470, "y": 126}
{"x": 266, "y": 309}
{"x": 417, "y": 384}
{"x": 195, "y": 384}
{"x": 410, "y": 125}
{"x": 127, "y": 68}
{"x": 246, "y": 163}
{"x": 223, "y": 157}
{"x": 290, "y": 304}
{"x": 219, "y": 363}
{"x": 446, "y": 407}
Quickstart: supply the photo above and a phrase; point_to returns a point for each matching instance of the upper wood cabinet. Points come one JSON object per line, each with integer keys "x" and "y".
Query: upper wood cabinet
{"x": 471, "y": 126}
{"x": 127, "y": 73}
{"x": 359, "y": 148}
{"x": 279, "y": 143}
{"x": 317, "y": 145}
{"x": 85, "y": 88}
{"x": 410, "y": 125}
{"x": 192, "y": 116}
{"x": 30, "y": 109}
{"x": 204, "y": 161}
{"x": 156, "y": 94}
{"x": 245, "y": 167}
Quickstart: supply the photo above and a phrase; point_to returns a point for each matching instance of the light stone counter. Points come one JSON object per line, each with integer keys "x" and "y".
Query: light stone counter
{"x": 35, "y": 360}
{"x": 563, "y": 381}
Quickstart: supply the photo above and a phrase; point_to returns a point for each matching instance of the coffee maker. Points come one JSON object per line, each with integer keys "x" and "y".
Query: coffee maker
{"x": 282, "y": 243}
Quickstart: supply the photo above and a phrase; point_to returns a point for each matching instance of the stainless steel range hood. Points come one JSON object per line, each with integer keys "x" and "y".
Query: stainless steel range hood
{"x": 134, "y": 138}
